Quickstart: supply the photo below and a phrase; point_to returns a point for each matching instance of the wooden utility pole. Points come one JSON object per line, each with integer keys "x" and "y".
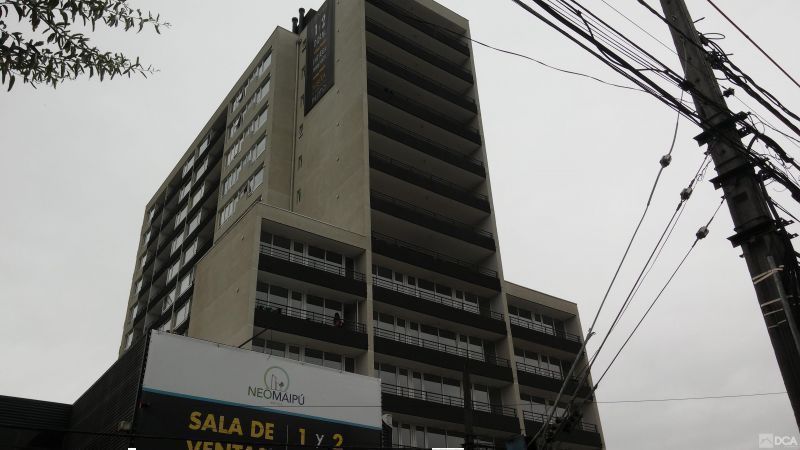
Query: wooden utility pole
{"x": 760, "y": 237}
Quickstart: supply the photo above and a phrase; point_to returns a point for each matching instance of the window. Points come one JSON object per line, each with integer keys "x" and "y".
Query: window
{"x": 198, "y": 195}
{"x": 181, "y": 215}
{"x": 146, "y": 237}
{"x": 190, "y": 251}
{"x": 262, "y": 68}
{"x": 237, "y": 122}
{"x": 143, "y": 260}
{"x": 134, "y": 310}
{"x": 138, "y": 285}
{"x": 234, "y": 150}
{"x": 166, "y": 326}
{"x": 204, "y": 144}
{"x": 184, "y": 191}
{"x": 195, "y": 221}
{"x": 231, "y": 179}
{"x": 176, "y": 244}
{"x": 262, "y": 91}
{"x": 201, "y": 169}
{"x": 228, "y": 211}
{"x": 170, "y": 299}
{"x": 186, "y": 283}
{"x": 256, "y": 180}
{"x": 333, "y": 360}
{"x": 188, "y": 166}
{"x": 237, "y": 99}
{"x": 182, "y": 314}
{"x": 313, "y": 356}
{"x": 173, "y": 270}
{"x": 129, "y": 339}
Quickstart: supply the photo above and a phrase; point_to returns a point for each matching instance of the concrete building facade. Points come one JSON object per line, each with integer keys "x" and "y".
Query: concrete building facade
{"x": 359, "y": 233}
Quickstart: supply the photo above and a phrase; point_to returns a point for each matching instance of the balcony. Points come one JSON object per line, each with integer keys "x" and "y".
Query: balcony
{"x": 425, "y": 258}
{"x": 280, "y": 261}
{"x": 427, "y": 146}
{"x": 418, "y": 403}
{"x": 422, "y": 81}
{"x": 550, "y": 337}
{"x": 309, "y": 324}
{"x": 400, "y": 41}
{"x": 428, "y": 181}
{"x": 582, "y": 434}
{"x": 442, "y": 355}
{"x": 451, "y": 39}
{"x": 423, "y": 111}
{"x": 435, "y": 305}
{"x": 431, "y": 220}
{"x": 549, "y": 380}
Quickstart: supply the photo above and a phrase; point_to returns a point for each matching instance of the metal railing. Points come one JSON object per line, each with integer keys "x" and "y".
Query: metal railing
{"x": 515, "y": 320}
{"x": 438, "y": 217}
{"x": 438, "y": 346}
{"x": 417, "y": 141}
{"x": 539, "y": 371}
{"x": 442, "y": 399}
{"x": 540, "y": 418}
{"x": 429, "y": 84}
{"x": 449, "y": 185}
{"x": 415, "y": 49}
{"x": 311, "y": 316}
{"x": 436, "y": 255}
{"x": 423, "y": 111}
{"x": 423, "y": 294}
{"x": 449, "y": 38}
{"x": 286, "y": 255}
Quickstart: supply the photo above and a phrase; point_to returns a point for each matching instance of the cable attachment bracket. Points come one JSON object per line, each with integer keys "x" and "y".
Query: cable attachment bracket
{"x": 665, "y": 160}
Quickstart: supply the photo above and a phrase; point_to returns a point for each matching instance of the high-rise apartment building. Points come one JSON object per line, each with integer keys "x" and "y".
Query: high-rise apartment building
{"x": 336, "y": 209}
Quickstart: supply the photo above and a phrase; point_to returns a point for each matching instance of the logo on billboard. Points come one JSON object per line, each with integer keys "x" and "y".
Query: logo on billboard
{"x": 276, "y": 379}
{"x": 276, "y": 388}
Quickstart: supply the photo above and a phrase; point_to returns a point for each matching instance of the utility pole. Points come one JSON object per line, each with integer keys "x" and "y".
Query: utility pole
{"x": 761, "y": 238}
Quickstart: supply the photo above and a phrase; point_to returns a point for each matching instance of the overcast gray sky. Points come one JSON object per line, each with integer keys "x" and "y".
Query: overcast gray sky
{"x": 571, "y": 162}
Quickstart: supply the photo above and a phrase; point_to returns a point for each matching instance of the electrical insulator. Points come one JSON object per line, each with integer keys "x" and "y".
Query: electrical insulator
{"x": 665, "y": 160}
{"x": 702, "y": 232}
{"x": 686, "y": 193}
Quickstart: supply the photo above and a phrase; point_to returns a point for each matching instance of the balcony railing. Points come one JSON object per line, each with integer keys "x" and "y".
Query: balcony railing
{"x": 311, "y": 316}
{"x": 448, "y": 221}
{"x": 438, "y": 346}
{"x": 415, "y": 49}
{"x": 433, "y": 297}
{"x": 435, "y": 255}
{"x": 423, "y": 111}
{"x": 539, "y": 371}
{"x": 423, "y": 81}
{"x": 428, "y": 181}
{"x": 442, "y": 399}
{"x": 450, "y": 38}
{"x": 540, "y": 418}
{"x": 425, "y": 145}
{"x": 542, "y": 329}
{"x": 286, "y": 255}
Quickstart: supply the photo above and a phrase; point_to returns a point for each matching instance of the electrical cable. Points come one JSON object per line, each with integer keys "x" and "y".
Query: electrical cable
{"x": 707, "y": 397}
{"x": 753, "y": 42}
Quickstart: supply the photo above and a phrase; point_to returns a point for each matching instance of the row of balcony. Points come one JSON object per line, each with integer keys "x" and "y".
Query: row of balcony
{"x": 449, "y": 38}
{"x": 415, "y": 402}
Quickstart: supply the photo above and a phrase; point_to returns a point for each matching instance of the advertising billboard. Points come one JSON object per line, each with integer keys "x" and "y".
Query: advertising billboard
{"x": 319, "y": 55}
{"x": 198, "y": 395}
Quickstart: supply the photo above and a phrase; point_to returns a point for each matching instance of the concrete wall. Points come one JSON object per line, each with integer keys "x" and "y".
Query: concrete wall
{"x": 223, "y": 304}
{"x": 333, "y": 178}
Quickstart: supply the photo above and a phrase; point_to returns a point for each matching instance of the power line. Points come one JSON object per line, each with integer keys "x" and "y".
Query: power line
{"x": 707, "y": 397}
{"x": 753, "y": 42}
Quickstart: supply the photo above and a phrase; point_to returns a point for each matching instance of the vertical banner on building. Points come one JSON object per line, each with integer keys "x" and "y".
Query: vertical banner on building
{"x": 319, "y": 54}
{"x": 201, "y": 395}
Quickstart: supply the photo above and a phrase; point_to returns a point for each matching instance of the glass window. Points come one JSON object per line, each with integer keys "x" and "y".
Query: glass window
{"x": 190, "y": 251}
{"x": 173, "y": 270}
{"x": 181, "y": 215}
{"x": 316, "y": 252}
{"x": 332, "y": 307}
{"x": 419, "y": 437}
{"x": 138, "y": 285}
{"x": 436, "y": 438}
{"x": 170, "y": 299}
{"x": 186, "y": 282}
{"x": 201, "y": 169}
{"x": 198, "y": 195}
{"x": 447, "y": 337}
{"x": 333, "y": 257}
{"x": 279, "y": 295}
{"x": 385, "y": 322}
{"x": 193, "y": 224}
{"x": 233, "y": 151}
{"x": 293, "y": 352}
{"x": 276, "y": 348}
{"x": 451, "y": 387}
{"x": 129, "y": 339}
{"x": 333, "y": 360}
{"x": 428, "y": 332}
{"x": 313, "y": 356}
{"x": 388, "y": 374}
{"x": 184, "y": 191}
{"x": 176, "y": 244}
{"x": 405, "y": 435}
{"x": 188, "y": 166}
{"x": 480, "y": 393}
{"x": 432, "y": 383}
{"x": 256, "y": 180}
{"x": 166, "y": 326}
{"x": 349, "y": 365}
{"x": 282, "y": 242}
{"x": 315, "y": 305}
{"x": 455, "y": 439}
{"x": 182, "y": 315}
